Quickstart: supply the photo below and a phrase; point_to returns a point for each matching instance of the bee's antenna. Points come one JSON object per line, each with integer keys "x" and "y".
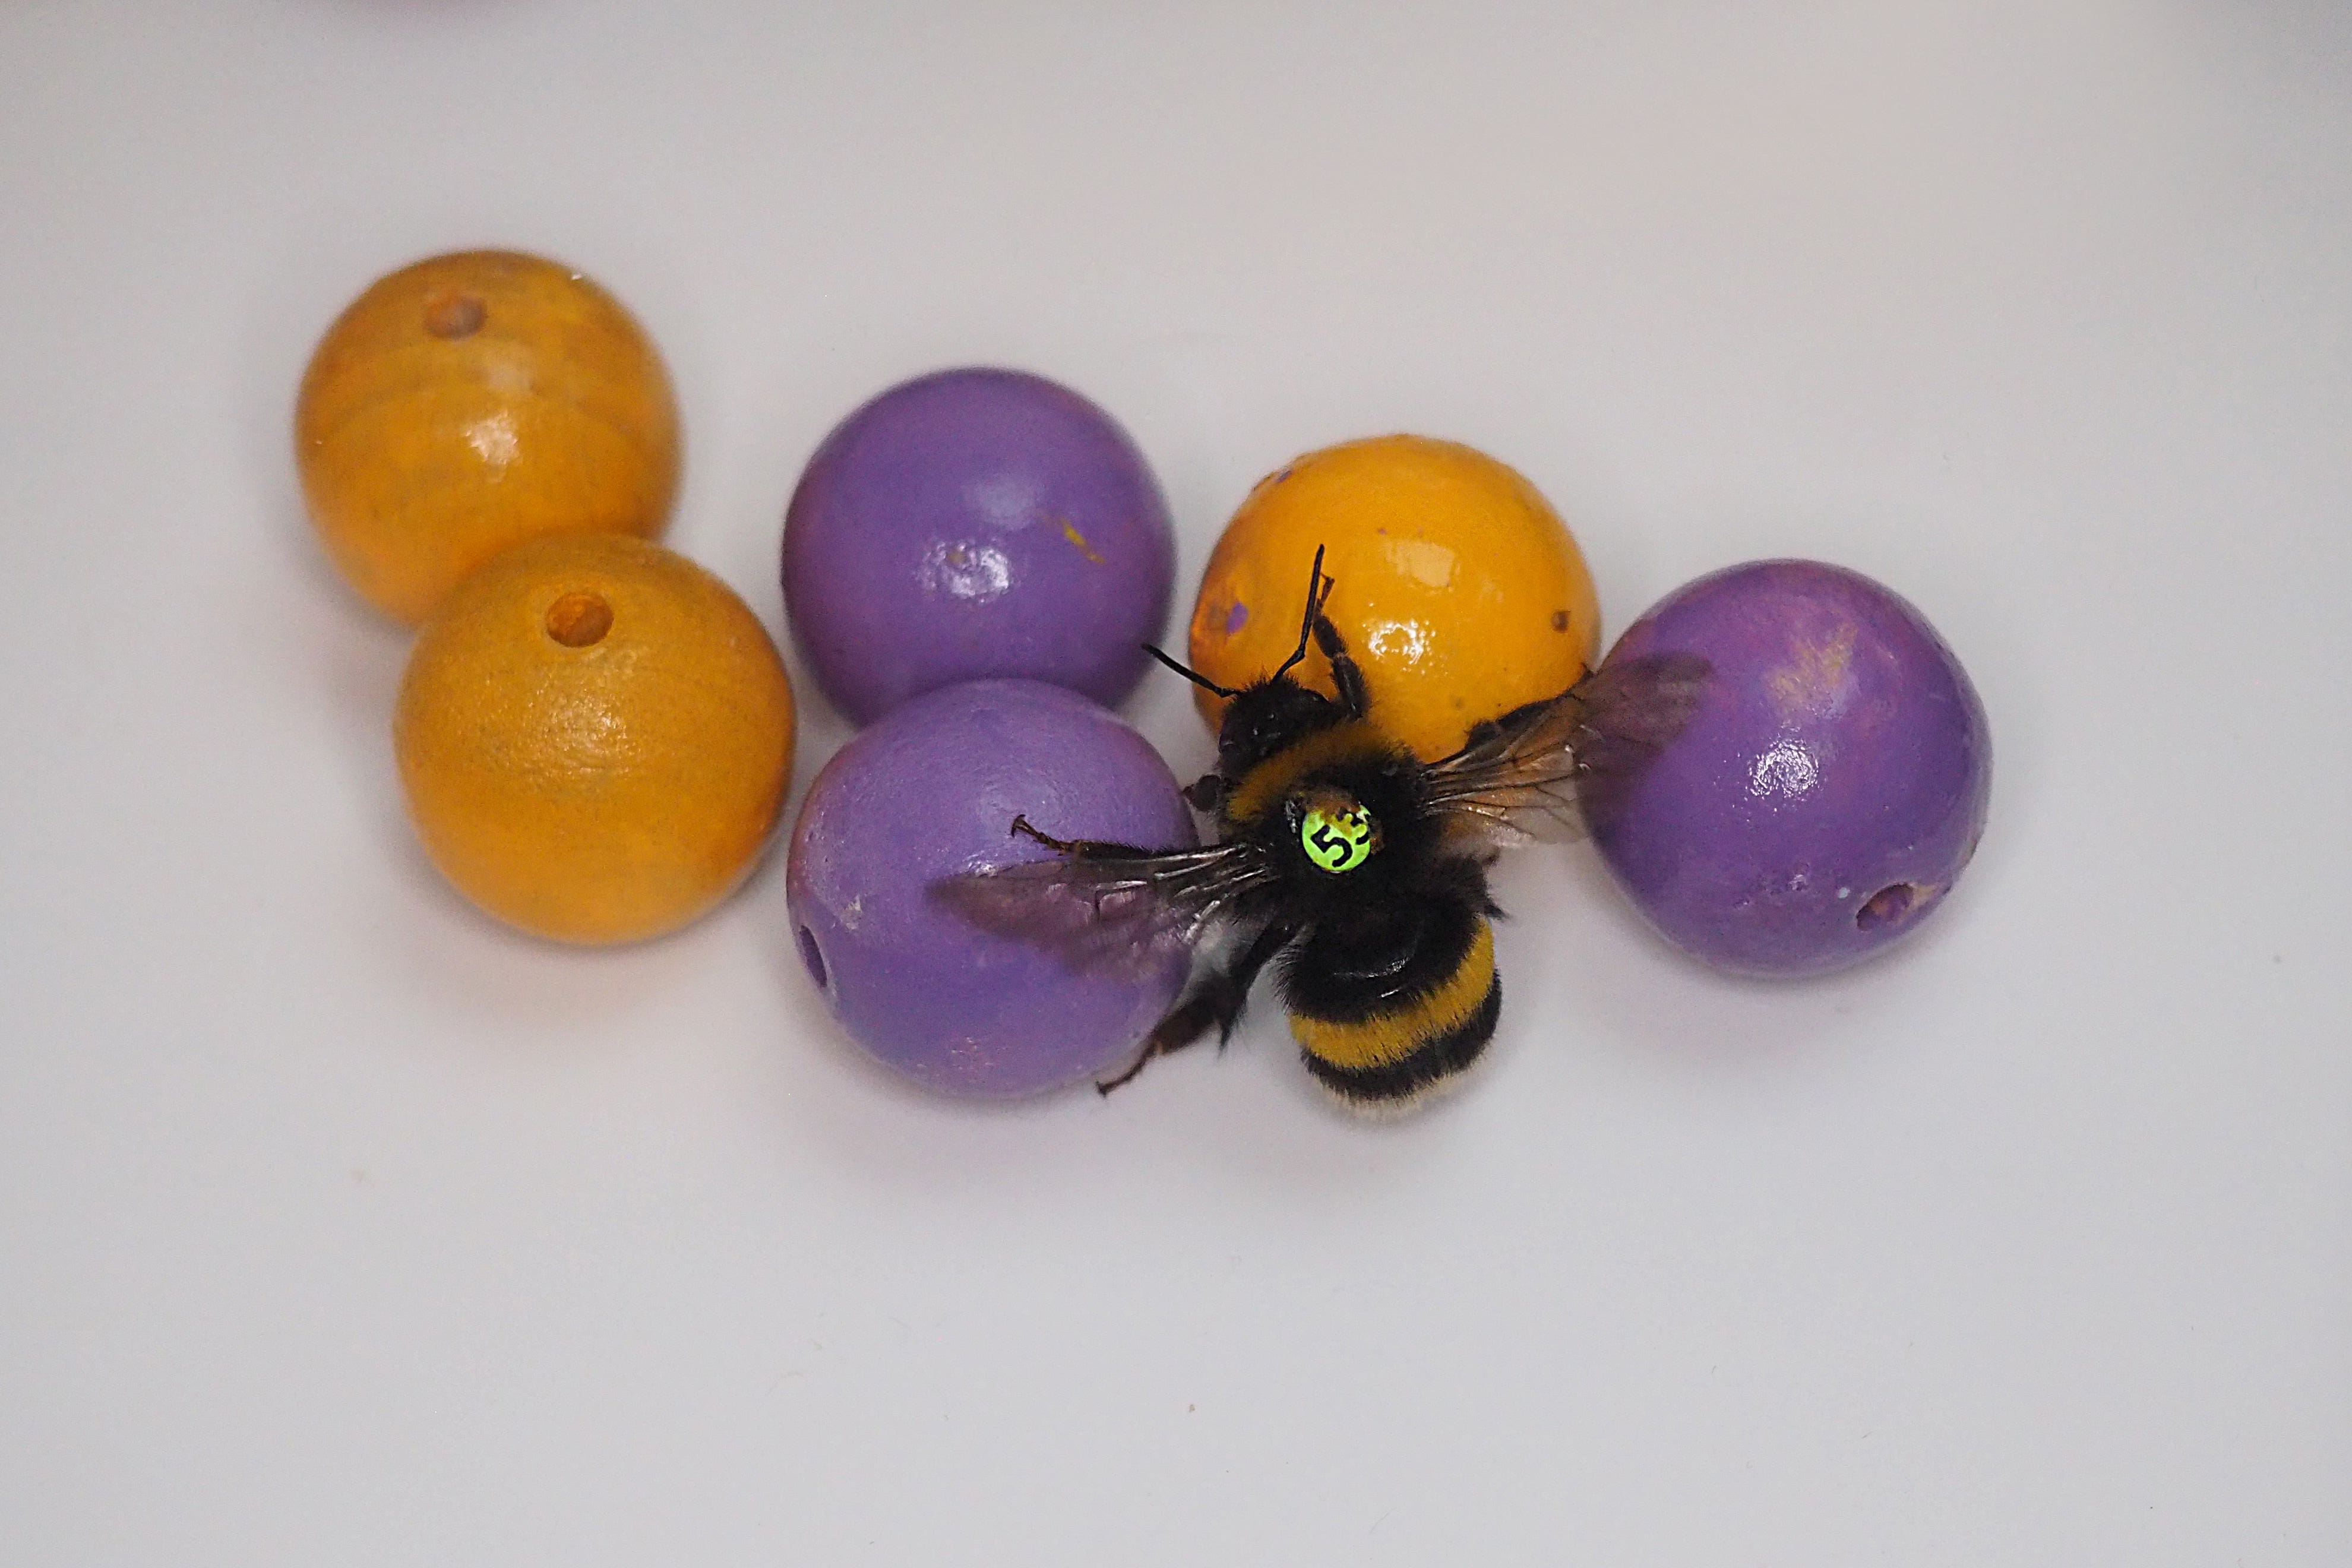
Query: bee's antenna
{"x": 1195, "y": 676}
{"x": 1318, "y": 591}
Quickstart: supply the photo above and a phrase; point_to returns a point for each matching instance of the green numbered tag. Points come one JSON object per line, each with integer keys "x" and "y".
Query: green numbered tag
{"x": 1338, "y": 835}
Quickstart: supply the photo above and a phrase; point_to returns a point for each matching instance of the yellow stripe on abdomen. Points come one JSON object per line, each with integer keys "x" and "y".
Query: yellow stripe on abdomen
{"x": 1386, "y": 1039}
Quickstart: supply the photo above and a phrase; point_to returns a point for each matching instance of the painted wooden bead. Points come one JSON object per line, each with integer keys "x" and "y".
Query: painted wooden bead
{"x": 467, "y": 403}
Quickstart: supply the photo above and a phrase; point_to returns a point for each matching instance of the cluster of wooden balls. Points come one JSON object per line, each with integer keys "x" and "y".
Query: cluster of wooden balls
{"x": 595, "y": 736}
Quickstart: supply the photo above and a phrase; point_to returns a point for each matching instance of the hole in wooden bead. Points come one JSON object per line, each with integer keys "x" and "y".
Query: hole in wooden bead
{"x": 577, "y": 620}
{"x": 812, "y": 956}
{"x": 455, "y": 315}
{"x": 1892, "y": 905}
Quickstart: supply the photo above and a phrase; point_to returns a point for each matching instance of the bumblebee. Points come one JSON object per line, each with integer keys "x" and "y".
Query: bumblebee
{"x": 1354, "y": 868}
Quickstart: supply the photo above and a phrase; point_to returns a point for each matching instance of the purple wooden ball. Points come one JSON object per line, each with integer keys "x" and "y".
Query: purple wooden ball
{"x": 1830, "y": 786}
{"x": 970, "y": 524}
{"x": 930, "y": 791}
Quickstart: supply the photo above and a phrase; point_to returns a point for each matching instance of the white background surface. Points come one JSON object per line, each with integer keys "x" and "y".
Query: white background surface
{"x": 341, "y": 1226}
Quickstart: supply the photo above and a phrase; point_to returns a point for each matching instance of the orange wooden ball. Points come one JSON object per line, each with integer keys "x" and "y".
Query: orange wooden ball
{"x": 471, "y": 402}
{"x": 1460, "y": 592}
{"x": 596, "y": 738}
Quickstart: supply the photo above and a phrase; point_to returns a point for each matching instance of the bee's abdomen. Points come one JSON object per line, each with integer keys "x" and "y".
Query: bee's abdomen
{"x": 1379, "y": 1052}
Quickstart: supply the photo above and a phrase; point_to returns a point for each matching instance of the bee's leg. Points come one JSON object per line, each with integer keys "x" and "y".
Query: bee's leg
{"x": 1231, "y": 989}
{"x": 1077, "y": 849}
{"x": 1206, "y": 793}
{"x": 1189, "y": 1021}
{"x": 1216, "y": 1002}
{"x": 1346, "y": 679}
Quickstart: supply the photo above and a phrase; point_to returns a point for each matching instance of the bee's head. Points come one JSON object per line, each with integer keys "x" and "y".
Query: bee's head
{"x": 1262, "y": 718}
{"x": 1276, "y": 711}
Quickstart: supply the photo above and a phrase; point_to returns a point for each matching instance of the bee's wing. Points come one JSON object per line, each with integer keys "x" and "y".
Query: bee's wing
{"x": 1115, "y": 912}
{"x": 1538, "y": 772}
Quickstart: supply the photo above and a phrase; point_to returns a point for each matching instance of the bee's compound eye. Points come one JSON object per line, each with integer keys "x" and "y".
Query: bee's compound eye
{"x": 1337, "y": 838}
